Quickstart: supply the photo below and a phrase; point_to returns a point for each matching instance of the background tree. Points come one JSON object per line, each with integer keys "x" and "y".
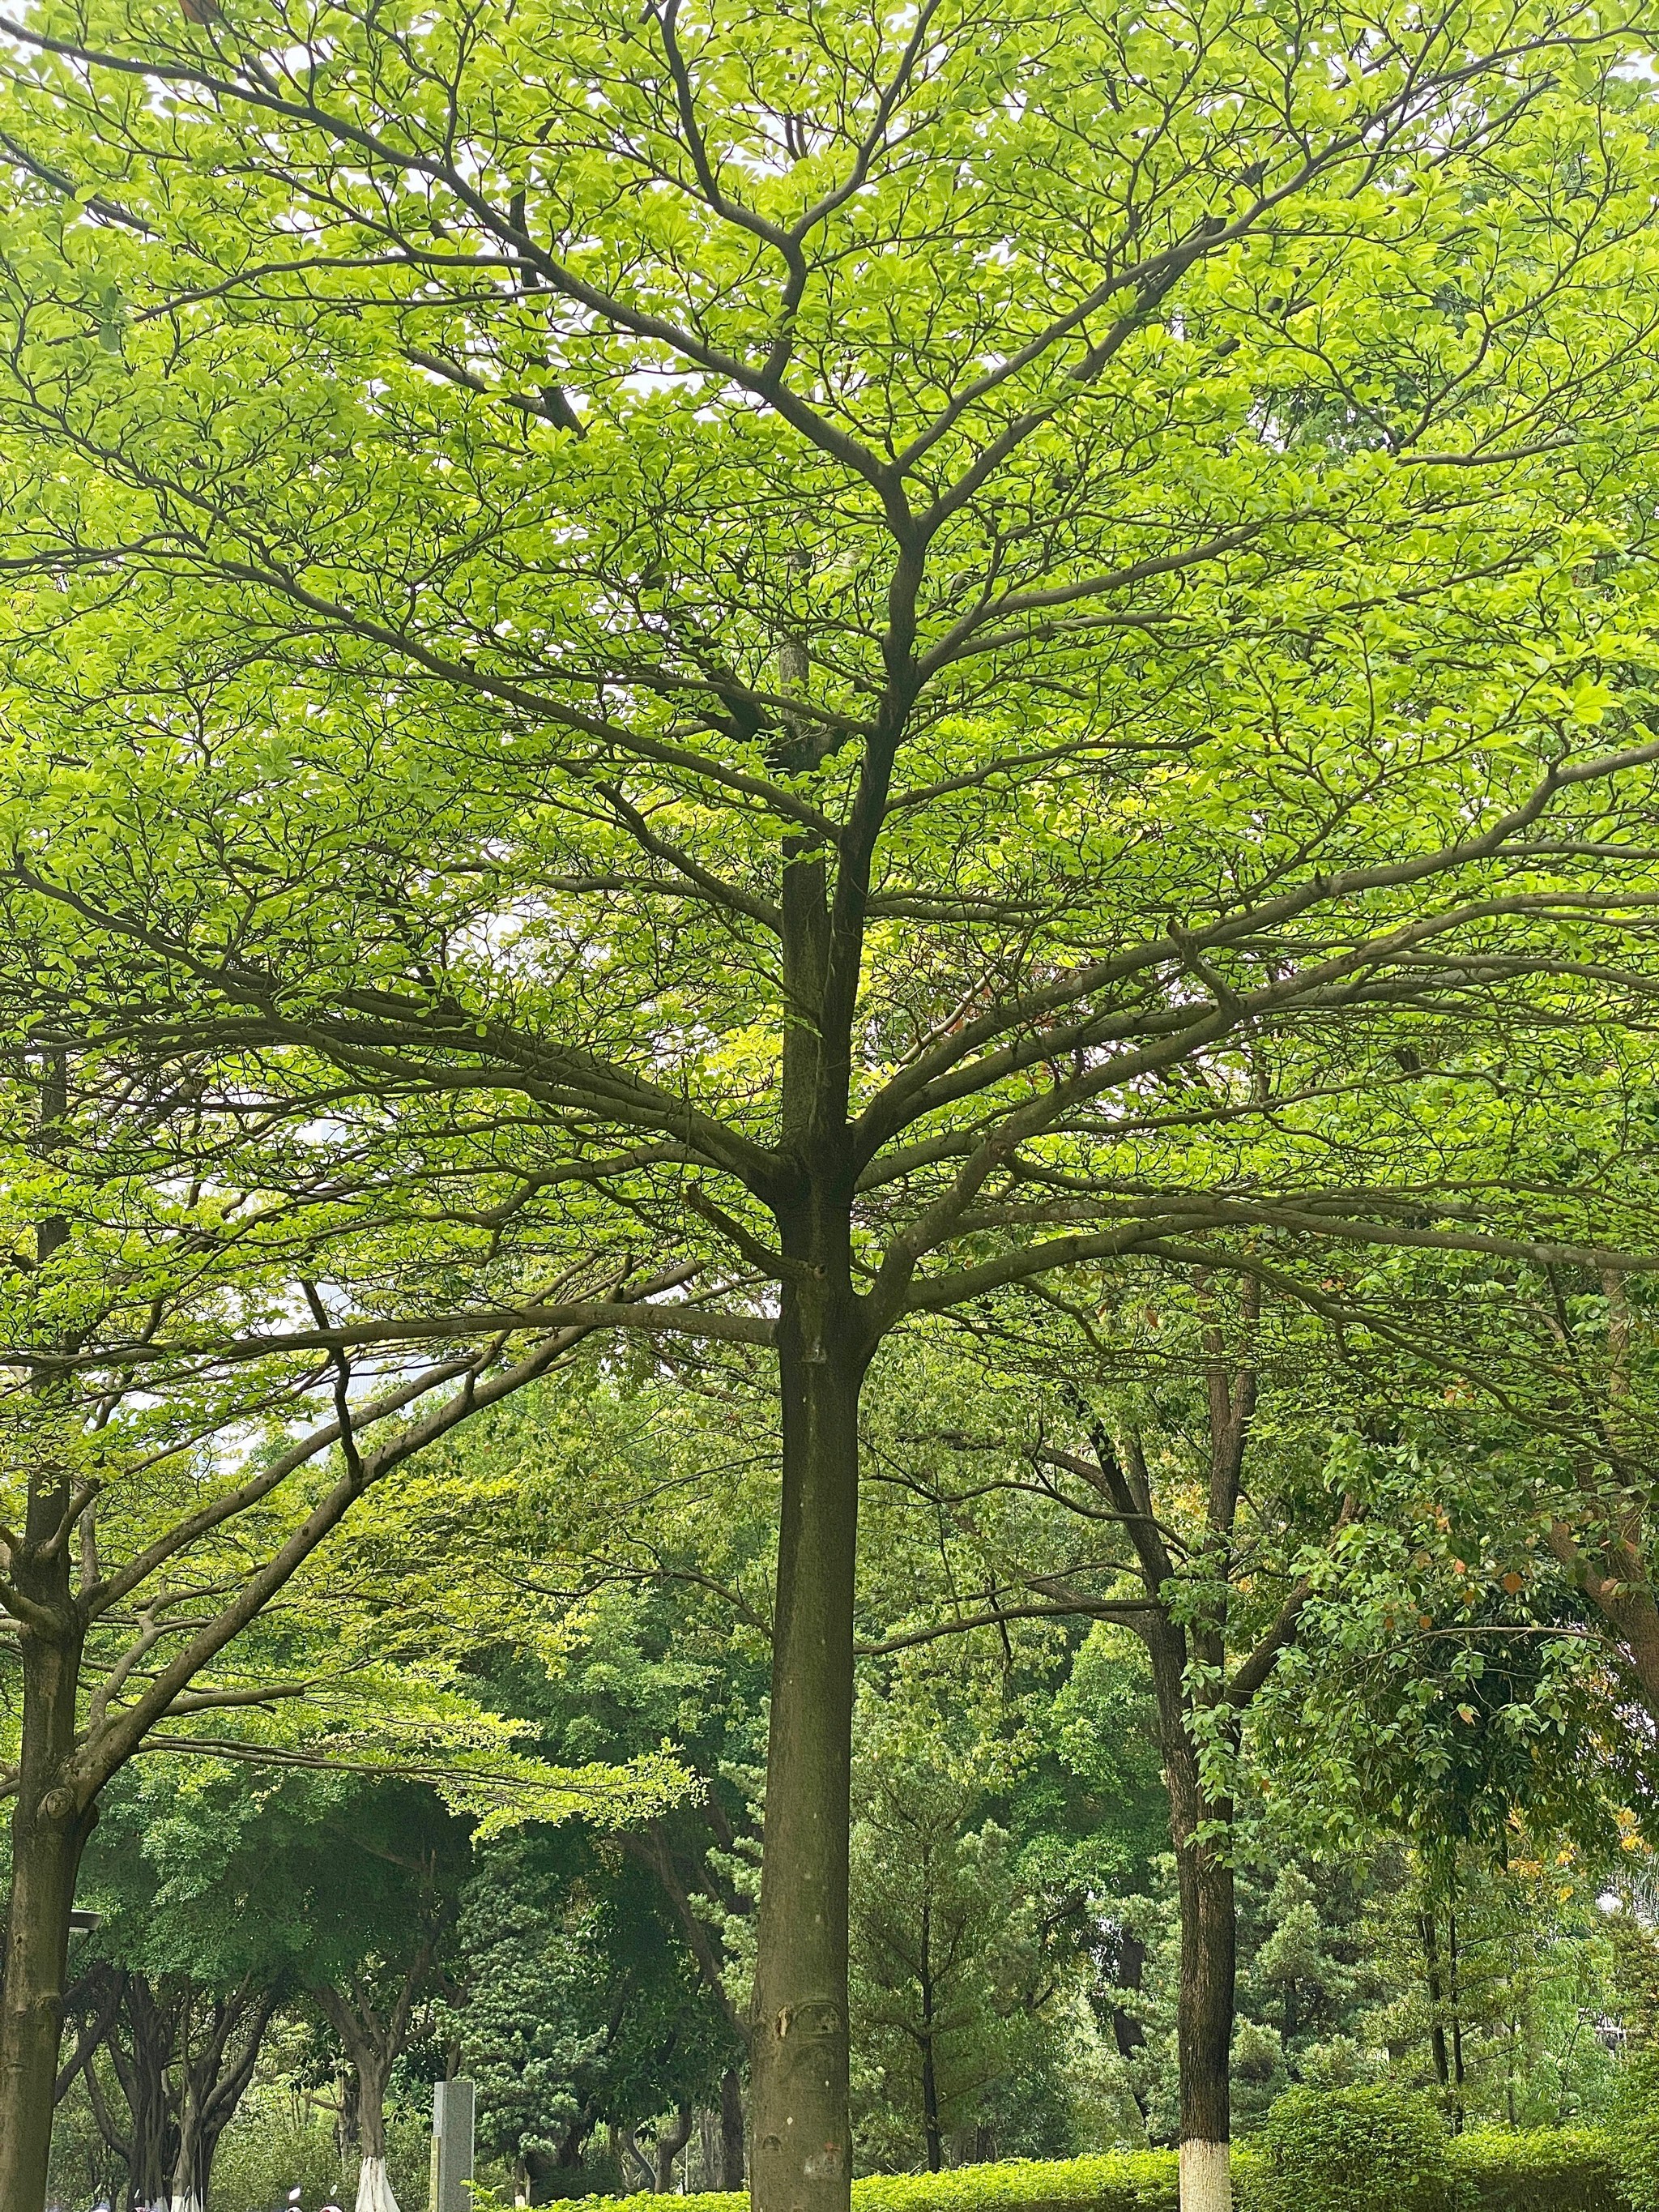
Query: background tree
{"x": 149, "y": 1525}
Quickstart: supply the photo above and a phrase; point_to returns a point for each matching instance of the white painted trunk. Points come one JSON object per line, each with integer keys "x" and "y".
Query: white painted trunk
{"x": 1206, "y": 2177}
{"x": 190, "y": 2202}
{"x": 374, "y": 2187}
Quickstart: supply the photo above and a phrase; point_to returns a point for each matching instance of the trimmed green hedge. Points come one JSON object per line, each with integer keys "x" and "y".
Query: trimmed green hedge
{"x": 1115, "y": 2181}
{"x": 1353, "y": 2150}
{"x": 1538, "y": 2169}
{"x": 1488, "y": 2170}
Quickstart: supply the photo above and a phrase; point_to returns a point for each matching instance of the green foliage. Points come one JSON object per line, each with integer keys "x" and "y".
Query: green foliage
{"x": 1537, "y": 2170}
{"x": 948, "y": 1971}
{"x": 1635, "y": 2133}
{"x": 1353, "y": 2150}
{"x": 1116, "y": 2181}
{"x": 275, "y": 2143}
{"x": 579, "y": 2005}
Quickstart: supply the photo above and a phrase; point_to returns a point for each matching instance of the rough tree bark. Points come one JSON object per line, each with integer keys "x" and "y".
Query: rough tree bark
{"x": 1206, "y": 1996}
{"x": 731, "y": 2129}
{"x": 140, "y": 2065}
{"x": 51, "y": 1819}
{"x": 800, "y": 2146}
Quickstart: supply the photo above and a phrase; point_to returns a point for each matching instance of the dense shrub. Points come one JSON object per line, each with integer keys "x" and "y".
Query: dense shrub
{"x": 1537, "y": 2170}
{"x": 1634, "y": 2134}
{"x": 274, "y": 2145}
{"x": 1115, "y": 2181}
{"x": 1353, "y": 2150}
{"x": 1347, "y": 2150}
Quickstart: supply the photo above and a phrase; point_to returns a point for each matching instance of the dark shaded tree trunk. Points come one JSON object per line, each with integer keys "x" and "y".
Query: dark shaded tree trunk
{"x": 49, "y": 1825}
{"x": 214, "y": 2079}
{"x": 373, "y": 2035}
{"x": 1435, "y": 1981}
{"x": 731, "y": 2129}
{"x": 147, "y": 2145}
{"x": 930, "y": 2126}
{"x": 1454, "y": 1994}
{"x": 1205, "y": 2000}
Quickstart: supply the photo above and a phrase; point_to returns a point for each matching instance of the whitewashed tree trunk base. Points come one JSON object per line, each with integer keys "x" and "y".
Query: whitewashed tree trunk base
{"x": 190, "y": 2202}
{"x": 374, "y": 2188}
{"x": 1206, "y": 2177}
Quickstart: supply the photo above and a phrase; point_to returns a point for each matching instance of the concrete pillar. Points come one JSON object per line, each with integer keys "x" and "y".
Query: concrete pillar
{"x": 451, "y": 2146}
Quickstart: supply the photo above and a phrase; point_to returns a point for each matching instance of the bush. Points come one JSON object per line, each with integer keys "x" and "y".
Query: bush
{"x": 275, "y": 2144}
{"x": 1346, "y": 2150}
{"x": 1537, "y": 2170}
{"x": 1353, "y": 2150}
{"x": 1635, "y": 2134}
{"x": 1115, "y": 2181}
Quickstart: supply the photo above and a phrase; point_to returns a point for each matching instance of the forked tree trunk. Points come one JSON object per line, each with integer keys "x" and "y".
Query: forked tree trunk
{"x": 801, "y": 2148}
{"x": 374, "y": 2192}
{"x": 49, "y": 1831}
{"x": 671, "y": 2142}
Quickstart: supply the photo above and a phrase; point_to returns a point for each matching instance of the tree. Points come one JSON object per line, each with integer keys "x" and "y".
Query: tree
{"x": 148, "y": 1529}
{"x": 816, "y": 663}
{"x": 580, "y": 2009}
{"x": 181, "y": 2054}
{"x": 327, "y": 1886}
{"x": 947, "y": 1967}
{"x": 1209, "y": 1508}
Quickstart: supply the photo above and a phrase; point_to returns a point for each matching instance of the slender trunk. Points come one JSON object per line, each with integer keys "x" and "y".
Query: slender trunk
{"x": 636, "y": 2158}
{"x": 1209, "y": 1947}
{"x": 731, "y": 2129}
{"x": 930, "y": 2106}
{"x": 800, "y": 2146}
{"x": 49, "y": 1831}
{"x": 1430, "y": 1937}
{"x": 1455, "y": 1997}
{"x": 929, "y": 2072}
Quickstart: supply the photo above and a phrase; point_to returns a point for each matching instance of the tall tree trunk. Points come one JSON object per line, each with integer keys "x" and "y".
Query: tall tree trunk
{"x": 1455, "y": 1996}
{"x": 140, "y": 2068}
{"x": 372, "y": 2046}
{"x": 800, "y": 2146}
{"x": 375, "y": 2191}
{"x": 1209, "y": 1938}
{"x": 731, "y": 2129}
{"x": 930, "y": 2127}
{"x": 1436, "y": 1989}
{"x": 1209, "y": 1945}
{"x": 50, "y": 1827}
